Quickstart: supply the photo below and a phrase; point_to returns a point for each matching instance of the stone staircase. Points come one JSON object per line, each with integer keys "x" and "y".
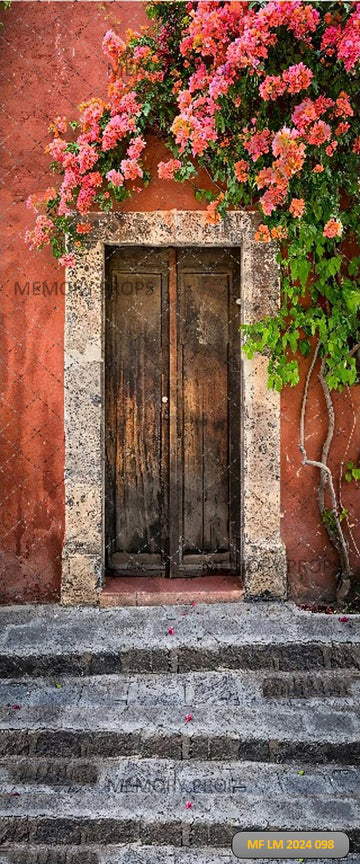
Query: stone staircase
{"x": 149, "y": 735}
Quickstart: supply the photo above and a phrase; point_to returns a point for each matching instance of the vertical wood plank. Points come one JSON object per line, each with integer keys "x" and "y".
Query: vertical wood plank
{"x": 174, "y": 487}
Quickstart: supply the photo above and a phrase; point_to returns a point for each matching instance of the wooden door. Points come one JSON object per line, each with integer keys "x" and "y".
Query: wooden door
{"x": 172, "y": 426}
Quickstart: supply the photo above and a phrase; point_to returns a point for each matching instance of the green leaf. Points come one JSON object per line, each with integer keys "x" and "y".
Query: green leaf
{"x": 334, "y": 266}
{"x": 305, "y": 347}
{"x": 304, "y": 269}
{"x": 352, "y": 298}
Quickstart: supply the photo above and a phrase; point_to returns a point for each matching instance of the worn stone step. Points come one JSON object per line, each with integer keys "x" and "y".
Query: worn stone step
{"x": 135, "y": 854}
{"x": 128, "y": 775}
{"x": 265, "y": 730}
{"x": 52, "y": 640}
{"x": 231, "y": 687}
{"x": 95, "y": 817}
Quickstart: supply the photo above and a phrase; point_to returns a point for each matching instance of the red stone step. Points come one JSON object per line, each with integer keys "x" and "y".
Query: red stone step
{"x": 159, "y": 591}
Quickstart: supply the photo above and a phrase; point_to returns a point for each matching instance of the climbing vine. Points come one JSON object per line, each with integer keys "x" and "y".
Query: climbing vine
{"x": 263, "y": 95}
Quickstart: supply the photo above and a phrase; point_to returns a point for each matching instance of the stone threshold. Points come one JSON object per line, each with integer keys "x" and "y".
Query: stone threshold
{"x": 162, "y": 591}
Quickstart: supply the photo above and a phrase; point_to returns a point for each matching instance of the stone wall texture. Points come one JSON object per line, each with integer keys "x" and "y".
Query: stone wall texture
{"x": 52, "y": 60}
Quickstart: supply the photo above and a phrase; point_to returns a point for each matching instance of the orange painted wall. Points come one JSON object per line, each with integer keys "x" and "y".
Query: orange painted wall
{"x": 52, "y": 60}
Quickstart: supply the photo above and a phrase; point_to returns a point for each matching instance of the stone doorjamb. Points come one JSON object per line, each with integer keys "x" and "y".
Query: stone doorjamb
{"x": 263, "y": 552}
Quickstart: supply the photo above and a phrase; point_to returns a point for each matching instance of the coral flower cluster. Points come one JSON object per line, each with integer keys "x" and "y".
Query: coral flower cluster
{"x": 205, "y": 67}
{"x": 263, "y": 96}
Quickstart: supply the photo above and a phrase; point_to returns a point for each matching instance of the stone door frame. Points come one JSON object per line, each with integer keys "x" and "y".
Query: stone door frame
{"x": 263, "y": 552}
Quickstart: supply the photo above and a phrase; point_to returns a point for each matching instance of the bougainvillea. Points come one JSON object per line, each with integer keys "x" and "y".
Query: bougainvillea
{"x": 263, "y": 96}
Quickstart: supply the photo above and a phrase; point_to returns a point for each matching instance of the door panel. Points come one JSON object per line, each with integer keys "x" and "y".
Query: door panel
{"x": 135, "y": 378}
{"x": 208, "y": 323}
{"x": 172, "y": 410}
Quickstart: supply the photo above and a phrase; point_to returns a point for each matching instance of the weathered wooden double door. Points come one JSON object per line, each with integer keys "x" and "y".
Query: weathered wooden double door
{"x": 172, "y": 425}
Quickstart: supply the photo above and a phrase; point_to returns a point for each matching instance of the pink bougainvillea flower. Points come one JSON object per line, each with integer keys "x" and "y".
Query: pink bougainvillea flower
{"x": 90, "y": 113}
{"x": 212, "y": 210}
{"x": 171, "y": 631}
{"x": 188, "y": 718}
{"x": 40, "y": 236}
{"x": 241, "y": 170}
{"x": 272, "y": 198}
{"x": 67, "y": 260}
{"x": 117, "y": 129}
{"x": 342, "y": 128}
{"x": 113, "y": 47}
{"x": 299, "y": 17}
{"x": 330, "y": 149}
{"x": 33, "y": 202}
{"x": 333, "y": 229}
{"x": 92, "y": 180}
{"x": 343, "y": 107}
{"x": 136, "y": 147}
{"x": 272, "y": 87}
{"x": 188, "y": 805}
{"x": 131, "y": 169}
{"x": 262, "y": 235}
{"x": 15, "y": 707}
{"x": 290, "y": 151}
{"x": 319, "y": 133}
{"x": 141, "y": 52}
{"x": 344, "y": 42}
{"x": 87, "y": 157}
{"x": 258, "y": 144}
{"x": 56, "y": 148}
{"x": 279, "y": 232}
{"x": 115, "y": 177}
{"x": 58, "y": 126}
{"x": 349, "y": 42}
{"x": 297, "y": 207}
{"x": 330, "y": 39}
{"x": 166, "y": 170}
{"x": 297, "y": 77}
{"x": 318, "y": 168}
{"x": 85, "y": 199}
{"x": 304, "y": 114}
{"x": 344, "y": 619}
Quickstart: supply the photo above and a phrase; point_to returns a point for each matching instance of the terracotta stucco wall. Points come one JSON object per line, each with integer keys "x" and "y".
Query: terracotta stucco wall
{"x": 52, "y": 60}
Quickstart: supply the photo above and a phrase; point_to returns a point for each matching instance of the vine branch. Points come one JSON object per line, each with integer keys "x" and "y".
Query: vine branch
{"x": 334, "y": 532}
